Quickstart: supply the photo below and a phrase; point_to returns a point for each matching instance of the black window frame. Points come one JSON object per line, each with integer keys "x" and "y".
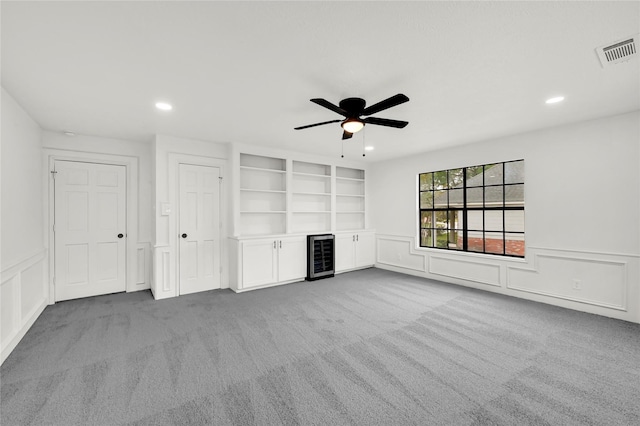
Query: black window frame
{"x": 436, "y": 231}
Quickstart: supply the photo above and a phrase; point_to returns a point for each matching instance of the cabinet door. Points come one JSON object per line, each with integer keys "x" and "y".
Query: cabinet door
{"x": 345, "y": 252}
{"x": 259, "y": 263}
{"x": 365, "y": 250}
{"x": 292, "y": 259}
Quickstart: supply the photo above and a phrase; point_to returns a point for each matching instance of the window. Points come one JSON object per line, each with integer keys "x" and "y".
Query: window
{"x": 476, "y": 209}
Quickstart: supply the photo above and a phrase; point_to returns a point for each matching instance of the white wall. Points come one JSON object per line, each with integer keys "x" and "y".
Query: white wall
{"x": 137, "y": 157}
{"x": 23, "y": 289}
{"x": 582, "y": 201}
{"x": 168, "y": 152}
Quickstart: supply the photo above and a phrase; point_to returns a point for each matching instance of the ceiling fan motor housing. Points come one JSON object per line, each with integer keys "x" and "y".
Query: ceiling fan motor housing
{"x": 353, "y": 106}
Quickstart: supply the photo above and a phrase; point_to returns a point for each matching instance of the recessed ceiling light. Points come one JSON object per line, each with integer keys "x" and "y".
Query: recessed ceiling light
{"x": 555, "y": 100}
{"x": 369, "y": 148}
{"x": 164, "y": 106}
{"x": 68, "y": 133}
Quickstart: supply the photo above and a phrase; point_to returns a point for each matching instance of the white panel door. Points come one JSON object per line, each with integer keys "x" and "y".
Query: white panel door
{"x": 292, "y": 258}
{"x": 90, "y": 229}
{"x": 199, "y": 219}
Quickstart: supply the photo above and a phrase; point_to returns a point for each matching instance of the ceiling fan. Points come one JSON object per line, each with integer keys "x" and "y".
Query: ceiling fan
{"x": 354, "y": 108}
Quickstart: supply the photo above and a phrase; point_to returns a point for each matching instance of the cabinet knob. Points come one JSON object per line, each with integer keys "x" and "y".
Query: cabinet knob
{"x": 120, "y": 235}
{"x": 184, "y": 235}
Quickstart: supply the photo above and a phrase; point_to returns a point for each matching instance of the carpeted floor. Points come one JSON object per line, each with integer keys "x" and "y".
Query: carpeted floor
{"x": 370, "y": 347}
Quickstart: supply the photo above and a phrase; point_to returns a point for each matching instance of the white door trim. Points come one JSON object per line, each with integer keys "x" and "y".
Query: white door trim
{"x": 175, "y": 159}
{"x": 131, "y": 166}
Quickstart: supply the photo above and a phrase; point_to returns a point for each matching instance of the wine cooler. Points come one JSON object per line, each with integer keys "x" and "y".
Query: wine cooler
{"x": 320, "y": 256}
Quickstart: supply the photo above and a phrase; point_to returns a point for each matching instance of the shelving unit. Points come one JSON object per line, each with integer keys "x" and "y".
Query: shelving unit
{"x": 263, "y": 195}
{"x": 311, "y": 197}
{"x": 350, "y": 199}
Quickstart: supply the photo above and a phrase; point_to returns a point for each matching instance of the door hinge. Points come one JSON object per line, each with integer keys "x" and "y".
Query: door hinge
{"x": 53, "y": 173}
{"x": 54, "y": 227}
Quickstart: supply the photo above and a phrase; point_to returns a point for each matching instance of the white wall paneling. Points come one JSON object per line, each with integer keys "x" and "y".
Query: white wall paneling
{"x": 600, "y": 283}
{"x": 23, "y": 297}
{"x": 464, "y": 269}
{"x": 143, "y": 260}
{"x": 163, "y": 282}
{"x": 398, "y": 251}
{"x": 582, "y": 277}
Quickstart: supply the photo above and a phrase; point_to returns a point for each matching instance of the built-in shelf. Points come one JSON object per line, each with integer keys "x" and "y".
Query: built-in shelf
{"x": 263, "y": 195}
{"x": 263, "y": 190}
{"x": 279, "y": 196}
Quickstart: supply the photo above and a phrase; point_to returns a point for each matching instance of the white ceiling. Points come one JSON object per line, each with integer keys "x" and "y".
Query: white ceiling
{"x": 244, "y": 72}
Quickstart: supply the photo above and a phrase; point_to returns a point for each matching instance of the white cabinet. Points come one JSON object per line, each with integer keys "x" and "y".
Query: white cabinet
{"x": 354, "y": 250}
{"x": 267, "y": 261}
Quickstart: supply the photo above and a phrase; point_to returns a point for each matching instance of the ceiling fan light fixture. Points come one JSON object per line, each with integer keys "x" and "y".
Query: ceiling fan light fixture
{"x": 352, "y": 125}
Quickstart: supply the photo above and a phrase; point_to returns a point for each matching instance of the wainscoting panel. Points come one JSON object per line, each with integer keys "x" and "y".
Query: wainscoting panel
{"x": 143, "y": 272}
{"x": 484, "y": 273}
{"x": 587, "y": 280}
{"x": 398, "y": 252}
{"x": 600, "y": 283}
{"x": 162, "y": 287}
{"x": 23, "y": 297}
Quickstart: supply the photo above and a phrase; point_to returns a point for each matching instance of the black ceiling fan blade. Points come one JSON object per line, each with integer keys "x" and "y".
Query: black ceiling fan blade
{"x": 346, "y": 135}
{"x": 325, "y": 103}
{"x": 387, "y": 103}
{"x": 316, "y": 124}
{"x": 386, "y": 122}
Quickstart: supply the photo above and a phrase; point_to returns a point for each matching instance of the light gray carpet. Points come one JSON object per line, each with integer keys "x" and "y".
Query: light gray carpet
{"x": 369, "y": 348}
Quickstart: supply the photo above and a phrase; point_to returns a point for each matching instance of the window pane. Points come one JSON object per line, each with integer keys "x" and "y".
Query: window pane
{"x": 441, "y": 219}
{"x": 440, "y": 200}
{"x": 426, "y": 237}
{"x": 514, "y": 244}
{"x": 426, "y": 200}
{"x": 474, "y": 197}
{"x": 440, "y": 179}
{"x": 514, "y": 172}
{"x": 475, "y": 220}
{"x": 493, "y": 196}
{"x": 514, "y": 220}
{"x": 514, "y": 195}
{"x": 426, "y": 181}
{"x": 493, "y": 242}
{"x": 442, "y": 238}
{"x": 493, "y": 174}
{"x": 475, "y": 241}
{"x": 455, "y": 240}
{"x": 456, "y": 219}
{"x": 493, "y": 220}
{"x": 426, "y": 220}
{"x": 455, "y": 178}
{"x": 474, "y": 176}
{"x": 456, "y": 198}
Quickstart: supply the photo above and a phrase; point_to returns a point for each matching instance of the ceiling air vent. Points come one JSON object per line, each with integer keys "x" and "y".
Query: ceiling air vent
{"x": 620, "y": 51}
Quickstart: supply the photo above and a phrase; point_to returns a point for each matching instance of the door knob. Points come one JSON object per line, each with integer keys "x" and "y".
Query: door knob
{"x": 184, "y": 235}
{"x": 120, "y": 235}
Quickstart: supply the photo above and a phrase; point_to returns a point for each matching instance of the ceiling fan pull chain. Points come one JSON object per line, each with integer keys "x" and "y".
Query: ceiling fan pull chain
{"x": 342, "y": 153}
{"x": 363, "y": 132}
